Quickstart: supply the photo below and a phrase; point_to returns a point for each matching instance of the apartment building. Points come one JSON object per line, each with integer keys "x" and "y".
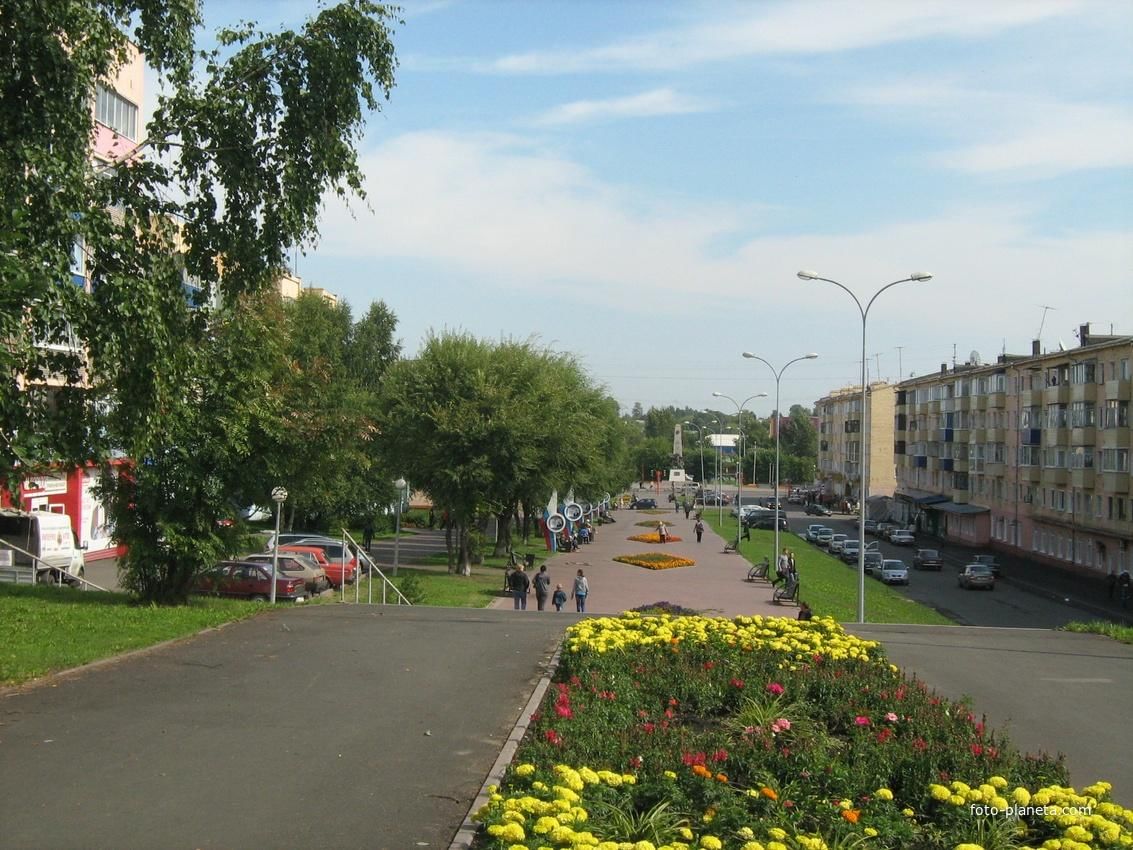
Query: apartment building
{"x": 844, "y": 434}
{"x": 1029, "y": 454}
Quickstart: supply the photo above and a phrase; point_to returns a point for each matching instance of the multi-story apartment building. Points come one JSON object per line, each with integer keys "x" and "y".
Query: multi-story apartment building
{"x": 841, "y": 428}
{"x": 1029, "y": 454}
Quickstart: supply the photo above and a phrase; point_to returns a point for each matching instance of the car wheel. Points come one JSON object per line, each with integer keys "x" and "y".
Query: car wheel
{"x": 259, "y": 597}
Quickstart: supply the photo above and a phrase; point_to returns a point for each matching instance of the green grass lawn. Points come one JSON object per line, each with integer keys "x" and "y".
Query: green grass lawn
{"x": 1102, "y": 627}
{"x": 44, "y": 629}
{"x": 829, "y": 586}
{"x": 433, "y": 587}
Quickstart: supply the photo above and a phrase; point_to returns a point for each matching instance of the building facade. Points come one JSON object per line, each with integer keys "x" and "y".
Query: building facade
{"x": 1029, "y": 454}
{"x": 846, "y": 438}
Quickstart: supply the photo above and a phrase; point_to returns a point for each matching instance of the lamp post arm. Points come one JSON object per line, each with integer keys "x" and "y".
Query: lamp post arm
{"x": 851, "y": 293}
{"x": 865, "y": 312}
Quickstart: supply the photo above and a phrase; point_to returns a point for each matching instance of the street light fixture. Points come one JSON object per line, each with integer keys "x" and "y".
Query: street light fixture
{"x": 700, "y": 437}
{"x": 279, "y": 496}
{"x": 863, "y": 489}
{"x": 739, "y": 467}
{"x": 400, "y": 484}
{"x": 778, "y": 423}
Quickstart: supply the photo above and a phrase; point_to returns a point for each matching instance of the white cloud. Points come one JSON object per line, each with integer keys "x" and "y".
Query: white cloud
{"x": 805, "y": 28}
{"x": 662, "y": 101}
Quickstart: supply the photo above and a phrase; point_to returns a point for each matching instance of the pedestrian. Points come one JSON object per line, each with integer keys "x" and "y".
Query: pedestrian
{"x": 791, "y": 563}
{"x": 542, "y": 587}
{"x": 520, "y": 588}
{"x": 559, "y": 599}
{"x": 432, "y": 518}
{"x": 662, "y": 532}
{"x": 688, "y": 507}
{"x": 804, "y": 612}
{"x": 580, "y": 591}
{"x": 1124, "y": 588}
{"x": 783, "y": 564}
{"x": 699, "y": 529}
{"x": 368, "y": 533}
{"x": 1111, "y": 584}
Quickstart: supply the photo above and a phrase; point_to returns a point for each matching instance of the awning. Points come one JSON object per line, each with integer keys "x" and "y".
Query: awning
{"x": 922, "y": 497}
{"x": 950, "y": 507}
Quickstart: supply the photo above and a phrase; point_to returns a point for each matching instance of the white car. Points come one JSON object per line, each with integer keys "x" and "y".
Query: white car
{"x": 902, "y": 537}
{"x": 836, "y": 543}
{"x": 894, "y": 572}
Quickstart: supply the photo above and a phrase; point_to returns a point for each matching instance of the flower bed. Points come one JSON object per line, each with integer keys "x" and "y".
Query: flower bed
{"x": 654, "y": 538}
{"x": 655, "y": 561}
{"x": 651, "y": 523}
{"x": 771, "y": 734}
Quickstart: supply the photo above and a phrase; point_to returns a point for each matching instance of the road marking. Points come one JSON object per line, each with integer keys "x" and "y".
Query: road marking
{"x": 1080, "y": 681}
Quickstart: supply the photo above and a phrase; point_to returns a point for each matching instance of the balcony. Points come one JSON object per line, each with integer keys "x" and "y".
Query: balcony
{"x": 1084, "y": 392}
{"x": 1030, "y": 398}
{"x": 960, "y": 497}
{"x": 947, "y": 435}
{"x": 920, "y": 462}
{"x": 979, "y": 402}
{"x": 1031, "y": 436}
{"x": 996, "y": 401}
{"x": 977, "y": 435}
{"x": 1115, "y": 482}
{"x": 1056, "y": 436}
{"x": 1118, "y": 390}
{"x": 1084, "y": 436}
{"x": 963, "y": 402}
{"x": 1082, "y": 479}
{"x": 994, "y": 435}
{"x": 1055, "y": 475}
{"x": 1030, "y": 473}
{"x": 996, "y": 467}
{"x": 1058, "y": 394}
{"x": 959, "y": 464}
{"x": 1116, "y": 438}
{"x": 946, "y": 464}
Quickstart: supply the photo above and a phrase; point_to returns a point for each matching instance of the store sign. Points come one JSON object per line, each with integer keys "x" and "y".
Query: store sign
{"x": 45, "y": 485}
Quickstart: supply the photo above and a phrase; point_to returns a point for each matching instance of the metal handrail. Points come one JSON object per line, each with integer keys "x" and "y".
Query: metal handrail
{"x": 36, "y": 559}
{"x": 370, "y": 570}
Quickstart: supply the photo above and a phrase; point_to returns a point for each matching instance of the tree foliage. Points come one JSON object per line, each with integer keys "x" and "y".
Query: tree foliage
{"x": 245, "y": 141}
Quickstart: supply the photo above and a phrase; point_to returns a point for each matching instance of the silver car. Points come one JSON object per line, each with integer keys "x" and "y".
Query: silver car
{"x": 894, "y": 572}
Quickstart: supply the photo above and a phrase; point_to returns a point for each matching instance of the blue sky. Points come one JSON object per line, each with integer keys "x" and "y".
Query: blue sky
{"x": 637, "y": 183}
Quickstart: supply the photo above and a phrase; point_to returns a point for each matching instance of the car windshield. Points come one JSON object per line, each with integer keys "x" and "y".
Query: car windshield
{"x": 928, "y": 553}
{"x": 894, "y": 565}
{"x": 983, "y": 569}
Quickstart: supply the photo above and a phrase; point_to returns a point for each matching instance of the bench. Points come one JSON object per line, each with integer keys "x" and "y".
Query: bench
{"x": 788, "y": 593}
{"x": 759, "y": 571}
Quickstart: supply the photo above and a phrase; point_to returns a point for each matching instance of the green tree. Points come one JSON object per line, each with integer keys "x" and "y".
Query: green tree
{"x": 244, "y": 143}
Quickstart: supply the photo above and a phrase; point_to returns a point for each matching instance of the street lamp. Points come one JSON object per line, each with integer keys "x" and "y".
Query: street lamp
{"x": 400, "y": 484}
{"x": 864, "y": 487}
{"x": 739, "y": 467}
{"x": 700, "y": 437}
{"x": 778, "y": 427}
{"x": 279, "y": 496}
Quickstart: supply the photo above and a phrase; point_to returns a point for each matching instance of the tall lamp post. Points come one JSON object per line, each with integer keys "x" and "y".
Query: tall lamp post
{"x": 279, "y": 496}
{"x": 700, "y": 437}
{"x": 400, "y": 484}
{"x": 778, "y": 423}
{"x": 864, "y": 488}
{"x": 739, "y": 467}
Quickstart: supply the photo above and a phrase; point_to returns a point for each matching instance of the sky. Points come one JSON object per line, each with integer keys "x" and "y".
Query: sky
{"x": 638, "y": 183}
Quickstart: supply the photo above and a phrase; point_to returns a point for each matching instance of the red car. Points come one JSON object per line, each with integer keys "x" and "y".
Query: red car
{"x": 336, "y": 572}
{"x": 247, "y": 580}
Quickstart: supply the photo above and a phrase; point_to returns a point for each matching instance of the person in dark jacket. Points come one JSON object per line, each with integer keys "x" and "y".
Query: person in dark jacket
{"x": 520, "y": 585}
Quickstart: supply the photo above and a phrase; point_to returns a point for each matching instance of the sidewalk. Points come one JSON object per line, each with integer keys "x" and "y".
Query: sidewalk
{"x": 716, "y": 585}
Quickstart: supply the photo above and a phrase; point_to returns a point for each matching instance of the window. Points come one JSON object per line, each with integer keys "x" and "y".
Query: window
{"x": 1082, "y": 457}
{"x": 1115, "y": 460}
{"x": 1029, "y": 455}
{"x": 1115, "y": 414}
{"x": 1083, "y": 414}
{"x": 959, "y": 481}
{"x": 995, "y": 452}
{"x": 1083, "y": 373}
{"x": 1031, "y": 417}
{"x": 1058, "y": 375}
{"x": 1123, "y": 369}
{"x": 1055, "y": 457}
{"x": 1056, "y": 416}
{"x": 1058, "y": 500}
{"x": 116, "y": 112}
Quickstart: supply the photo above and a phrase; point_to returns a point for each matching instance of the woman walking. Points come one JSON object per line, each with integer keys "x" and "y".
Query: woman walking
{"x": 579, "y": 592}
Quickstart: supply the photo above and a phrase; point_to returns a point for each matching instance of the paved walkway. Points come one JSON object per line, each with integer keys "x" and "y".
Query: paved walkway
{"x": 715, "y": 585}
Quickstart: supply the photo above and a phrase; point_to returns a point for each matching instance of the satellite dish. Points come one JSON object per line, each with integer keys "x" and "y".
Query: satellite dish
{"x": 974, "y": 357}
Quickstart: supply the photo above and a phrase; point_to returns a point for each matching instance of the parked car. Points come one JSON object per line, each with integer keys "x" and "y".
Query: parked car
{"x": 990, "y": 561}
{"x": 902, "y": 537}
{"x": 796, "y": 498}
{"x": 332, "y": 549}
{"x": 641, "y": 504}
{"x": 295, "y": 564}
{"x": 249, "y": 580}
{"x": 871, "y": 526}
{"x": 977, "y": 575}
{"x": 766, "y": 519}
{"x": 815, "y": 509}
{"x": 850, "y": 549}
{"x": 927, "y": 559}
{"x": 836, "y": 542}
{"x": 824, "y": 537}
{"x": 894, "y": 571}
{"x": 813, "y": 529}
{"x": 337, "y": 573}
{"x": 873, "y": 562}
{"x": 883, "y": 529}
{"x": 747, "y": 509}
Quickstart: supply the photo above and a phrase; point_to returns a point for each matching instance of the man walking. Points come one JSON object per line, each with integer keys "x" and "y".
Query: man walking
{"x": 542, "y": 587}
{"x": 520, "y": 587}
{"x": 699, "y": 529}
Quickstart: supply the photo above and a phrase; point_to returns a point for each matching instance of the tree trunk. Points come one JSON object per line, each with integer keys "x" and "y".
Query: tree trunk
{"x": 465, "y": 566}
{"x": 503, "y": 533}
{"x": 449, "y": 548}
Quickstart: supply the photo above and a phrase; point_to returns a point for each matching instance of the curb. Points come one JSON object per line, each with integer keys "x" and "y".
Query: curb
{"x": 468, "y": 830}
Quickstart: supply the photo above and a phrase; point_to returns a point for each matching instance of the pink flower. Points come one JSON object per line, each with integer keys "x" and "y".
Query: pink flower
{"x": 781, "y": 725}
{"x": 775, "y": 688}
{"x": 891, "y": 717}
{"x": 861, "y": 720}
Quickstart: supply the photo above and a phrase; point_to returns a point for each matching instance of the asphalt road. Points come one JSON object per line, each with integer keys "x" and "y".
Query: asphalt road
{"x": 327, "y": 727}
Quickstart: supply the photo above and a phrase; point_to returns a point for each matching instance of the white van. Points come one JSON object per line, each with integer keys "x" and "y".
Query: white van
{"x": 42, "y": 543}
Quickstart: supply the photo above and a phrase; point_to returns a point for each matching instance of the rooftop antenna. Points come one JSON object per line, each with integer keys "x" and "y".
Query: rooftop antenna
{"x": 1045, "y": 309}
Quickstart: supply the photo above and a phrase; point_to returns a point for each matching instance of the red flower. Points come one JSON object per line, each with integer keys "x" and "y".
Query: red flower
{"x": 977, "y": 750}
{"x": 884, "y": 735}
{"x": 736, "y": 683}
{"x": 919, "y": 744}
{"x": 693, "y": 758}
{"x": 708, "y": 665}
{"x": 564, "y": 711}
{"x": 648, "y": 727}
{"x": 775, "y": 688}
{"x": 720, "y": 755}
{"x": 635, "y": 762}
{"x": 553, "y": 737}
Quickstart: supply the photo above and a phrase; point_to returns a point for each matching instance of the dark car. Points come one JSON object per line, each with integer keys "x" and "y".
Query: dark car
{"x": 248, "y": 580}
{"x": 643, "y": 503}
{"x": 927, "y": 559}
{"x": 977, "y": 575}
{"x": 988, "y": 560}
{"x": 873, "y": 562}
{"x": 765, "y": 520}
{"x": 815, "y": 509}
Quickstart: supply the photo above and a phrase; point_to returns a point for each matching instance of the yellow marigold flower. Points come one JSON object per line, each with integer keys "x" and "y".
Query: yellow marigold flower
{"x": 870, "y": 831}
{"x": 514, "y": 817}
{"x": 968, "y": 847}
{"x": 957, "y": 800}
{"x": 776, "y": 845}
{"x": 629, "y": 779}
{"x": 513, "y": 832}
{"x": 644, "y": 845}
{"x": 525, "y": 770}
{"x": 685, "y": 833}
{"x": 668, "y": 774}
{"x": 711, "y": 842}
{"x": 745, "y": 832}
{"x": 608, "y": 845}
{"x": 588, "y": 776}
{"x": 959, "y": 787}
{"x": 997, "y": 782}
{"x": 777, "y": 833}
{"x": 752, "y": 845}
{"x": 1021, "y": 796}
{"x": 908, "y": 813}
{"x": 999, "y": 802}
{"x": 884, "y": 794}
{"x": 939, "y": 793}
{"x": 545, "y": 824}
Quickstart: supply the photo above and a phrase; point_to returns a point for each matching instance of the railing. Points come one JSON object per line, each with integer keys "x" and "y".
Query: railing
{"x": 21, "y": 574}
{"x": 371, "y": 568}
